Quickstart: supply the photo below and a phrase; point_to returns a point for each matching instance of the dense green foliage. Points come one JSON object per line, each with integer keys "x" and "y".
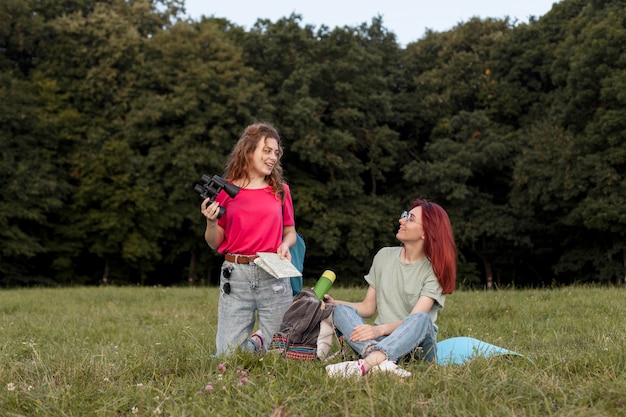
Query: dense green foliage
{"x": 110, "y": 111}
{"x": 111, "y": 351}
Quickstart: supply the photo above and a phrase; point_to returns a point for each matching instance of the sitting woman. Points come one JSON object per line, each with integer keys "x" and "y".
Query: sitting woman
{"x": 407, "y": 287}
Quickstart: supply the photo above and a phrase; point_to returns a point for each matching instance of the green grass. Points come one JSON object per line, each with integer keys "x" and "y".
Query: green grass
{"x": 148, "y": 351}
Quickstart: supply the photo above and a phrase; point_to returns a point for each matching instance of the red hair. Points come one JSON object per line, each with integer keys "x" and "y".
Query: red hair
{"x": 439, "y": 245}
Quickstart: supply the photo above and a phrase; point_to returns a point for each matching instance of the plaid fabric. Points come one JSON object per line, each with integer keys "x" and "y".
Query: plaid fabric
{"x": 279, "y": 342}
{"x": 301, "y": 352}
{"x": 293, "y": 351}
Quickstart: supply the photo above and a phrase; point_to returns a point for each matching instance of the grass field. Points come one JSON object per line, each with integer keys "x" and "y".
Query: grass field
{"x": 149, "y": 351}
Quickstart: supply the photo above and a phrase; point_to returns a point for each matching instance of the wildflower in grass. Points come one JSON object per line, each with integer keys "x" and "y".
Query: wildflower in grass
{"x": 242, "y": 372}
{"x": 242, "y": 381}
{"x": 221, "y": 367}
{"x": 209, "y": 388}
{"x": 30, "y": 388}
{"x": 11, "y": 386}
{"x": 134, "y": 410}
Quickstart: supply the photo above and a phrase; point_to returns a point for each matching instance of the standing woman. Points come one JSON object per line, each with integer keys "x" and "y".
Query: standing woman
{"x": 259, "y": 219}
{"x": 407, "y": 287}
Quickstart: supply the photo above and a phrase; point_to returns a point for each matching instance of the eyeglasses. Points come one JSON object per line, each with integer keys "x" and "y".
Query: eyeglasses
{"x": 226, "y": 273}
{"x": 408, "y": 217}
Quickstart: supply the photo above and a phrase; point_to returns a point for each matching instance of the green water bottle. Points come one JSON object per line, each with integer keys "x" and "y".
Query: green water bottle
{"x": 324, "y": 283}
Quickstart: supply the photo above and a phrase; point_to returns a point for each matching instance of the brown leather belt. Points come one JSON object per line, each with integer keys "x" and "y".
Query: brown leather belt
{"x": 240, "y": 259}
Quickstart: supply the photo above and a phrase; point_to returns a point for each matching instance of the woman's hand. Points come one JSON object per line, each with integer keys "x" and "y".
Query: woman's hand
{"x": 283, "y": 251}
{"x": 364, "y": 332}
{"x": 214, "y": 234}
{"x": 289, "y": 239}
{"x": 330, "y": 300}
{"x": 210, "y": 211}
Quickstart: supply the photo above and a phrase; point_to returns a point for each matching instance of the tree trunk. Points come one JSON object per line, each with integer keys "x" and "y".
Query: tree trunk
{"x": 620, "y": 278}
{"x": 105, "y": 274}
{"x": 192, "y": 268}
{"x": 488, "y": 270}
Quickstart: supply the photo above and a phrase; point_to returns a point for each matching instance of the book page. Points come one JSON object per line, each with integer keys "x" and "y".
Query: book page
{"x": 279, "y": 268}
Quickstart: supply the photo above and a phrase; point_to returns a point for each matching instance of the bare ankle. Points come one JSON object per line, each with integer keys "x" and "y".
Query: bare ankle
{"x": 375, "y": 358}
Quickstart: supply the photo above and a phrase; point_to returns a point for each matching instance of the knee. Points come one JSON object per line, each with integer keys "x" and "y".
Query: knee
{"x": 341, "y": 309}
{"x": 343, "y": 318}
{"x": 345, "y": 311}
{"x": 421, "y": 318}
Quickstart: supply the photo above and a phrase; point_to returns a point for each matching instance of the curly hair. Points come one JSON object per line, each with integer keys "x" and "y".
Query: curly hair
{"x": 241, "y": 154}
{"x": 439, "y": 244}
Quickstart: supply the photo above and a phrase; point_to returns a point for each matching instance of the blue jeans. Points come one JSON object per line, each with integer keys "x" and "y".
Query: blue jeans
{"x": 414, "y": 338}
{"x": 253, "y": 292}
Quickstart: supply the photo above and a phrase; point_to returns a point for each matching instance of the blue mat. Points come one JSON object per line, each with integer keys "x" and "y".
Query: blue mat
{"x": 459, "y": 350}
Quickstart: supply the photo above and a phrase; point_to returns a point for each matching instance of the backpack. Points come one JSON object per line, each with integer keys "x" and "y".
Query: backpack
{"x": 306, "y": 331}
{"x": 297, "y": 259}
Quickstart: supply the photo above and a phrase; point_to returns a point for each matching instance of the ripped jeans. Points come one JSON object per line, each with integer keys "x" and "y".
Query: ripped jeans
{"x": 253, "y": 292}
{"x": 414, "y": 338}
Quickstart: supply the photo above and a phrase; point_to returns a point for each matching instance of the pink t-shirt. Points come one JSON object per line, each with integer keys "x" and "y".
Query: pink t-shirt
{"x": 254, "y": 220}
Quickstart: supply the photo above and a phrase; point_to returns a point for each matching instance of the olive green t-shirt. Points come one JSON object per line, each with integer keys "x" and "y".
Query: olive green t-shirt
{"x": 399, "y": 285}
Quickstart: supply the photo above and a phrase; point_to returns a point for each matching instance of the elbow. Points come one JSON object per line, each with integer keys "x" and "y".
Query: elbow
{"x": 210, "y": 243}
{"x": 368, "y": 313}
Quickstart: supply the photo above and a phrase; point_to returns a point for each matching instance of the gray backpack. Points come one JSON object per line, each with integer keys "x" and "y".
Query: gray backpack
{"x": 306, "y": 331}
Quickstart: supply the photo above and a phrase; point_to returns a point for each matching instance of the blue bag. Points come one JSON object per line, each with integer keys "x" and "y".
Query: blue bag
{"x": 297, "y": 259}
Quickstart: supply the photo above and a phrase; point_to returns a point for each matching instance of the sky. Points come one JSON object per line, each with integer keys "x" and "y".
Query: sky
{"x": 408, "y": 19}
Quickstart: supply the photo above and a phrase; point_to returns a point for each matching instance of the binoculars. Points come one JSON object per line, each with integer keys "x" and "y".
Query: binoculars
{"x": 212, "y": 187}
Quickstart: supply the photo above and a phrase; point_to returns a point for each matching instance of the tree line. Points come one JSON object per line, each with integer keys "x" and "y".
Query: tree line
{"x": 110, "y": 112}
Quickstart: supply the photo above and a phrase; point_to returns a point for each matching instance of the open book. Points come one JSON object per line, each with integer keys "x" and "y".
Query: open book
{"x": 279, "y": 268}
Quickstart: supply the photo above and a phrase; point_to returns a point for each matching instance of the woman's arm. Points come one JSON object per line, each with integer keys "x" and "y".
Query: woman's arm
{"x": 214, "y": 233}
{"x": 424, "y": 304}
{"x": 289, "y": 239}
{"x": 367, "y": 332}
{"x": 366, "y": 308}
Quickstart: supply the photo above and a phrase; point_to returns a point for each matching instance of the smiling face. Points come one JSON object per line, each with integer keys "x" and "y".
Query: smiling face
{"x": 411, "y": 228}
{"x": 265, "y": 156}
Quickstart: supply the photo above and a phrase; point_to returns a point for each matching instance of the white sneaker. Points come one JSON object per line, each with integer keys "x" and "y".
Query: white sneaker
{"x": 258, "y": 341}
{"x": 346, "y": 369}
{"x": 388, "y": 366}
